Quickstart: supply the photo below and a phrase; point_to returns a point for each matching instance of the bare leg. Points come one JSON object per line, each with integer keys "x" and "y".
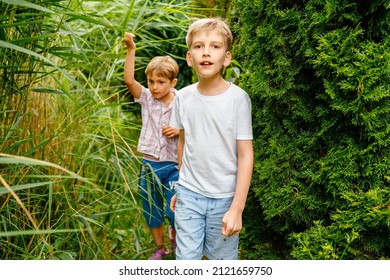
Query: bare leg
{"x": 158, "y": 236}
{"x": 173, "y": 233}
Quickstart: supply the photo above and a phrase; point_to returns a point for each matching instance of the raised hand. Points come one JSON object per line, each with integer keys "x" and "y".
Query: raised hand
{"x": 129, "y": 40}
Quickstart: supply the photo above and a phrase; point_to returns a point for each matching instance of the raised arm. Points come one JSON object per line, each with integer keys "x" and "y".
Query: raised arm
{"x": 134, "y": 87}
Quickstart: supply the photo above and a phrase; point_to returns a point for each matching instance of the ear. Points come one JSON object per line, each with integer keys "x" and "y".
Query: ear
{"x": 189, "y": 58}
{"x": 228, "y": 59}
{"x": 173, "y": 83}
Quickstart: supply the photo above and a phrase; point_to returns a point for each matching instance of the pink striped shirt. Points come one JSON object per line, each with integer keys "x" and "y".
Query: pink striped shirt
{"x": 154, "y": 116}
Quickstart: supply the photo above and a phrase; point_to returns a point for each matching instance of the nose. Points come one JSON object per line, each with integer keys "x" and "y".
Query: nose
{"x": 206, "y": 52}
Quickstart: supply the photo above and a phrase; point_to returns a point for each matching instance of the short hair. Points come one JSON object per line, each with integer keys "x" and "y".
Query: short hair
{"x": 164, "y": 66}
{"x": 209, "y": 24}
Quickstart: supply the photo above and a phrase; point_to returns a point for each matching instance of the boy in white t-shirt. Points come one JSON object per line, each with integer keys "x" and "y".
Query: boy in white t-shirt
{"x": 215, "y": 151}
{"x": 157, "y": 142}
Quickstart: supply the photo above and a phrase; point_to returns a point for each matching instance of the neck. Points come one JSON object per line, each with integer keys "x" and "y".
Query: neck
{"x": 212, "y": 86}
{"x": 167, "y": 99}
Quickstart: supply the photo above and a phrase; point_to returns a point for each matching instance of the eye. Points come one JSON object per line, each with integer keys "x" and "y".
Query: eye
{"x": 161, "y": 82}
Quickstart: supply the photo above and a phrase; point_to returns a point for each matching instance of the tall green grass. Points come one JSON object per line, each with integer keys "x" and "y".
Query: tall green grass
{"x": 68, "y": 132}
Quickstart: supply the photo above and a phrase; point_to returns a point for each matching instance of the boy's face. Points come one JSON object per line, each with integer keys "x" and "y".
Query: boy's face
{"x": 207, "y": 54}
{"x": 159, "y": 86}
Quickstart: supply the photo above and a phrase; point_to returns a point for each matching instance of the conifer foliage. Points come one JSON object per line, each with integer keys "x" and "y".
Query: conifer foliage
{"x": 318, "y": 73}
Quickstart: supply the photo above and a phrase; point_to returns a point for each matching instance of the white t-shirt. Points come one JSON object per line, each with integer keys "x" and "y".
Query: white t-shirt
{"x": 212, "y": 125}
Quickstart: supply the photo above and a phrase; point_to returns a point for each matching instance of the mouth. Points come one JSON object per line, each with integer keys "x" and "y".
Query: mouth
{"x": 206, "y": 63}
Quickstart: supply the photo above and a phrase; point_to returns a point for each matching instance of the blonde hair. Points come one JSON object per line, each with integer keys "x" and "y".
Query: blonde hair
{"x": 164, "y": 66}
{"x": 207, "y": 25}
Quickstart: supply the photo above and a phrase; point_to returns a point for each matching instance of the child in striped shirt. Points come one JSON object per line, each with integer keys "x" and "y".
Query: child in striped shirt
{"x": 157, "y": 142}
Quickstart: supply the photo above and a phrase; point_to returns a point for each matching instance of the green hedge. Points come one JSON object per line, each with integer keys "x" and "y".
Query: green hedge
{"x": 318, "y": 74}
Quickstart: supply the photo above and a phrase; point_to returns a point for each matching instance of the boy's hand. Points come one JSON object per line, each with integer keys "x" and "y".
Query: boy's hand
{"x": 169, "y": 131}
{"x": 231, "y": 223}
{"x": 129, "y": 40}
{"x": 172, "y": 205}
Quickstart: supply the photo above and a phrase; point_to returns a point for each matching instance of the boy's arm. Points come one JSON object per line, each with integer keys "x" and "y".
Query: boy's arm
{"x": 180, "y": 147}
{"x": 232, "y": 220}
{"x": 134, "y": 87}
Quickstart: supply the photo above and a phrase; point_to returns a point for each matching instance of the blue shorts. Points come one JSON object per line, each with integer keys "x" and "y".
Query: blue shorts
{"x": 198, "y": 221}
{"x": 157, "y": 182}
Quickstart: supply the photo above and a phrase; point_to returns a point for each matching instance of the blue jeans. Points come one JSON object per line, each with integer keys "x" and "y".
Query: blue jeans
{"x": 198, "y": 221}
{"x": 157, "y": 183}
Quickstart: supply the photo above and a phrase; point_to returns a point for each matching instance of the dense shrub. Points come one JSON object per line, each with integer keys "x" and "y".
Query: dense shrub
{"x": 318, "y": 74}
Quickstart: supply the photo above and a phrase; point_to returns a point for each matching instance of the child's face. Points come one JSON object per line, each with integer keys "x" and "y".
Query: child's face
{"x": 159, "y": 86}
{"x": 208, "y": 54}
